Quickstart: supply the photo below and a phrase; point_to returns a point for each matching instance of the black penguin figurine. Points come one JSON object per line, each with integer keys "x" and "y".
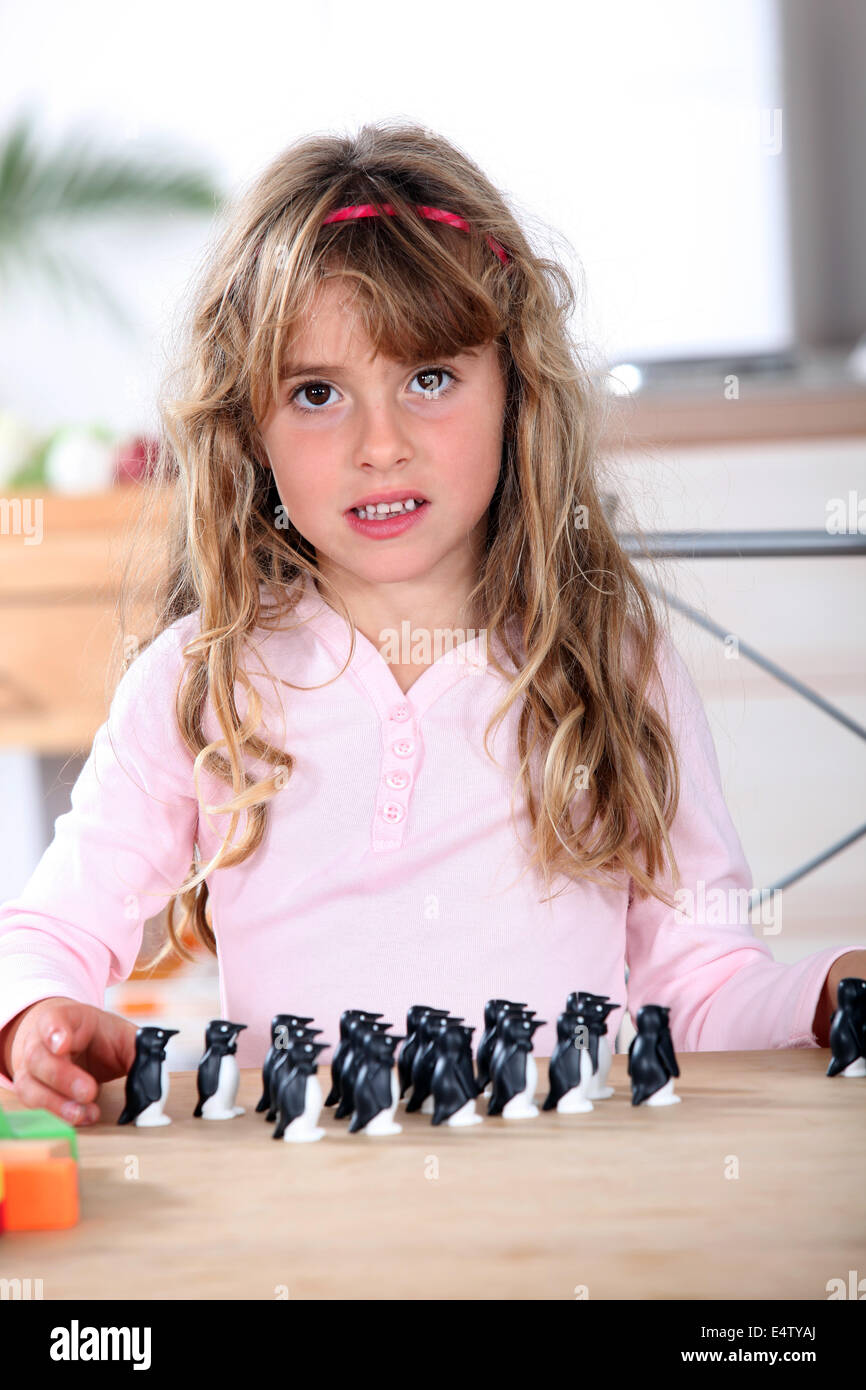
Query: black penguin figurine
{"x": 567, "y": 1093}
{"x": 343, "y": 1047}
{"x": 597, "y": 1055}
{"x": 578, "y": 1000}
{"x": 429, "y": 1029}
{"x": 283, "y": 1059}
{"x": 502, "y": 1012}
{"x": 652, "y": 1065}
{"x": 848, "y": 1029}
{"x": 466, "y": 1063}
{"x": 280, "y": 1025}
{"x": 359, "y": 1030}
{"x": 513, "y": 1069}
{"x": 488, "y": 1039}
{"x": 218, "y": 1074}
{"x": 147, "y": 1081}
{"x": 298, "y": 1097}
{"x": 454, "y": 1090}
{"x": 410, "y": 1046}
{"x": 376, "y": 1088}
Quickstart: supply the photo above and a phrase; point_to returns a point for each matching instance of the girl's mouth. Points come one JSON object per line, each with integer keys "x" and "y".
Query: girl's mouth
{"x": 380, "y": 525}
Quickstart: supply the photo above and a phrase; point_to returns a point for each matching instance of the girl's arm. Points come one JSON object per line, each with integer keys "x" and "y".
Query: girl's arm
{"x": 117, "y": 856}
{"x": 717, "y": 972}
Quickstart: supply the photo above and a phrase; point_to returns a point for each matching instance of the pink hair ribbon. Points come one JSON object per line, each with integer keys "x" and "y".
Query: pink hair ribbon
{"x": 434, "y": 214}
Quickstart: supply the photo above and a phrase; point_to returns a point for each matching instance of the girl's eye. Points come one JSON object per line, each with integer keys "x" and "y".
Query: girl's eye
{"x": 318, "y": 390}
{"x": 314, "y": 386}
{"x": 426, "y": 373}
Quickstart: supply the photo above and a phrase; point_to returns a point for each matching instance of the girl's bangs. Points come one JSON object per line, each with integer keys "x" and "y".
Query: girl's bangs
{"x": 412, "y": 302}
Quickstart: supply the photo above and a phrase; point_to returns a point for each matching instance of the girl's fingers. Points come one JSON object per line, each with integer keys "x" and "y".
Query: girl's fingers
{"x": 35, "y": 1095}
{"x": 68, "y": 1050}
{"x": 67, "y": 1028}
{"x": 59, "y": 1074}
{"x": 107, "y": 1040}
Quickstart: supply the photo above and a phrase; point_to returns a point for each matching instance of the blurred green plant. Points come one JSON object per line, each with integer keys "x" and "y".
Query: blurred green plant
{"x": 42, "y": 189}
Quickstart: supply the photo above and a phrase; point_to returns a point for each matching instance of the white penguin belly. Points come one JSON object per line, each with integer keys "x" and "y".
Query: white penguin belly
{"x": 152, "y": 1114}
{"x": 221, "y": 1105}
{"x": 304, "y": 1129}
{"x": 576, "y": 1101}
{"x": 596, "y": 1085}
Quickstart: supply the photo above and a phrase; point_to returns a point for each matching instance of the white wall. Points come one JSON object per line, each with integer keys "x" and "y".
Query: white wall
{"x": 641, "y": 135}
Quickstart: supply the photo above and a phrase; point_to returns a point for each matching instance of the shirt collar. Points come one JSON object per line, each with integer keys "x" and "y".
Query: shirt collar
{"x": 468, "y": 661}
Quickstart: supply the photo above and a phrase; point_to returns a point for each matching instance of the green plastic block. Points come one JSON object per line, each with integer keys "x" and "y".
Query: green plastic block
{"x": 37, "y": 1124}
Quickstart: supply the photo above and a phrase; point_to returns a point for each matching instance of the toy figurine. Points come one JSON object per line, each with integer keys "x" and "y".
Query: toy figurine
{"x": 567, "y": 1074}
{"x": 281, "y": 1026}
{"x": 492, "y": 1009}
{"x": 453, "y": 1083}
{"x": 410, "y": 1047}
{"x": 595, "y": 1009}
{"x": 652, "y": 1065}
{"x": 353, "y": 1059}
{"x": 848, "y": 1029}
{"x": 298, "y": 1095}
{"x": 376, "y": 1088}
{"x": 147, "y": 1081}
{"x": 218, "y": 1074}
{"x": 513, "y": 1071}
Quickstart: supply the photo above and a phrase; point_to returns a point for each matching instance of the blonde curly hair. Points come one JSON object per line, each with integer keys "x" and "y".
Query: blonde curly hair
{"x": 587, "y": 654}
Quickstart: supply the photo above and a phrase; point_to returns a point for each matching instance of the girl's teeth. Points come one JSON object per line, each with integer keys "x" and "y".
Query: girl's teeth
{"x": 376, "y": 510}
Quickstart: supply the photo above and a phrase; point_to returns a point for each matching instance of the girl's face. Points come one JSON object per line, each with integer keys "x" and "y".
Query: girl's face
{"x": 349, "y": 428}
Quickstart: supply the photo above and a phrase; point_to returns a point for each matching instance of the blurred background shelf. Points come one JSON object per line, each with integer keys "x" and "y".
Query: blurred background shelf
{"x": 787, "y": 409}
{"x": 58, "y": 619}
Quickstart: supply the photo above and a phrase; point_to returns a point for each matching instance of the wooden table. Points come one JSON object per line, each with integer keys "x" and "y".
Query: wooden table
{"x": 630, "y": 1202}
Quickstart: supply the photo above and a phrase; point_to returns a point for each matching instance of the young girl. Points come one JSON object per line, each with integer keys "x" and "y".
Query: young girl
{"x": 407, "y": 729}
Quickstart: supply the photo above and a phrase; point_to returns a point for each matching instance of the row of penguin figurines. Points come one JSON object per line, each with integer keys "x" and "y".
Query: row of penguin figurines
{"x": 436, "y": 1062}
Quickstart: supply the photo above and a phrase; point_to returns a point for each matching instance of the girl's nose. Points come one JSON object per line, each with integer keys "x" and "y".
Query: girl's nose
{"x": 383, "y": 437}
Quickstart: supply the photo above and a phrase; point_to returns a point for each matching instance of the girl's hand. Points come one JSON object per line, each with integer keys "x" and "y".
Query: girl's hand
{"x": 60, "y": 1051}
{"x": 852, "y": 963}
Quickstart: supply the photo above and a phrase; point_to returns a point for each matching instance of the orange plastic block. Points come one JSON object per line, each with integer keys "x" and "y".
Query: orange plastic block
{"x": 41, "y": 1196}
{"x": 2, "y": 1199}
{"x": 24, "y": 1150}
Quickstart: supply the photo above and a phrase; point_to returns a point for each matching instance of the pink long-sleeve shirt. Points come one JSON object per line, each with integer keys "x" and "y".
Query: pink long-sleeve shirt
{"x": 389, "y": 873}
